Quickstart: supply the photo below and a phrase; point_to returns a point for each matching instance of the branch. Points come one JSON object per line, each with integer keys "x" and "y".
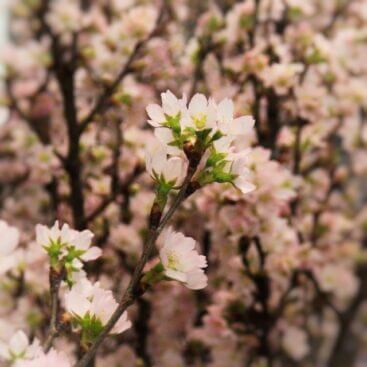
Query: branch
{"x": 65, "y": 76}
{"x": 55, "y": 282}
{"x": 132, "y": 291}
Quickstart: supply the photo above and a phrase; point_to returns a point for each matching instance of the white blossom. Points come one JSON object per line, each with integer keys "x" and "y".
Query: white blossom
{"x": 169, "y": 170}
{"x": 238, "y": 167}
{"x": 201, "y": 113}
{"x": 90, "y": 302}
{"x": 19, "y": 348}
{"x": 67, "y": 239}
{"x": 9, "y": 254}
{"x": 181, "y": 261}
{"x": 171, "y": 107}
{"x": 227, "y": 124}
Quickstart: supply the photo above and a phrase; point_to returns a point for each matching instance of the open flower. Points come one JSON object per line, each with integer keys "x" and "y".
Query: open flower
{"x": 19, "y": 348}
{"x": 238, "y": 169}
{"x": 9, "y": 255}
{"x": 169, "y": 171}
{"x": 228, "y": 125}
{"x": 181, "y": 261}
{"x": 66, "y": 246}
{"x": 201, "y": 113}
{"x": 169, "y": 113}
{"x": 91, "y": 307}
{"x": 281, "y": 77}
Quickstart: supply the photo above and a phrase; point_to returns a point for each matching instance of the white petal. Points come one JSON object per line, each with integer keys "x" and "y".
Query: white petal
{"x": 165, "y": 136}
{"x": 82, "y": 240}
{"x": 92, "y": 254}
{"x": 155, "y": 114}
{"x": 175, "y": 169}
{"x": 170, "y": 103}
{"x": 242, "y": 125}
{"x": 242, "y": 184}
{"x": 196, "y": 280}
{"x": 9, "y": 239}
{"x": 211, "y": 114}
{"x": 177, "y": 275}
{"x": 122, "y": 324}
{"x": 225, "y": 110}
{"x": 198, "y": 104}
{"x": 77, "y": 303}
{"x": 42, "y": 237}
{"x": 222, "y": 145}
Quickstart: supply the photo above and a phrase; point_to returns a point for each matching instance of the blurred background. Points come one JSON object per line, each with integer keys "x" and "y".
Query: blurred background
{"x": 3, "y": 38}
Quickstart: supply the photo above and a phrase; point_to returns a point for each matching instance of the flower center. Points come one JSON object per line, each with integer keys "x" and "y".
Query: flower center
{"x": 200, "y": 120}
{"x": 173, "y": 261}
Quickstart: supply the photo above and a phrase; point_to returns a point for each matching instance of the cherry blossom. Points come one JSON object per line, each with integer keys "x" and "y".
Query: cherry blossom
{"x": 19, "y": 348}
{"x": 181, "y": 261}
{"x": 67, "y": 246}
{"x": 9, "y": 254}
{"x": 91, "y": 307}
{"x": 170, "y": 171}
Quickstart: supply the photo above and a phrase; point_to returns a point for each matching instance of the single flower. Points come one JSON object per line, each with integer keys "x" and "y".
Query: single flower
{"x": 181, "y": 261}
{"x": 66, "y": 246}
{"x": 169, "y": 113}
{"x": 201, "y": 114}
{"x": 170, "y": 171}
{"x": 91, "y": 307}
{"x": 19, "y": 348}
{"x": 228, "y": 125}
{"x": 9, "y": 254}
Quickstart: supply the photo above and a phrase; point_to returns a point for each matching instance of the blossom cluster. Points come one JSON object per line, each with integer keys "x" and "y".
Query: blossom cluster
{"x": 209, "y": 130}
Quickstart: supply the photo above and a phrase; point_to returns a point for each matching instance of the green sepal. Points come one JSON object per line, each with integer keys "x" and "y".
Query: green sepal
{"x": 54, "y": 251}
{"x": 162, "y": 190}
{"x": 223, "y": 177}
{"x": 173, "y": 122}
{"x": 217, "y": 136}
{"x": 123, "y": 98}
{"x": 90, "y": 326}
{"x": 215, "y": 158}
{"x": 203, "y": 138}
{"x": 205, "y": 178}
{"x": 153, "y": 276}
